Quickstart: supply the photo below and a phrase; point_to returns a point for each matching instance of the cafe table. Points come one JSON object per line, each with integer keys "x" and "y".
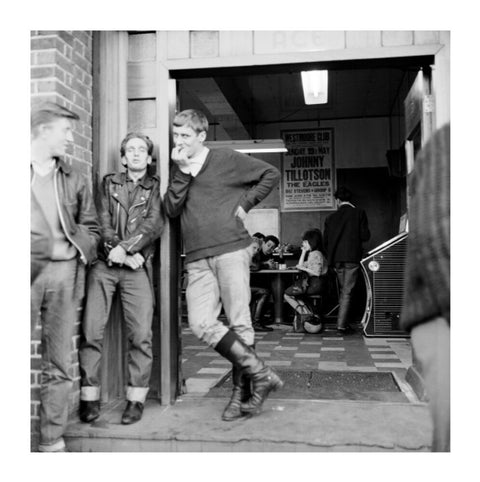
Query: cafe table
{"x": 280, "y": 279}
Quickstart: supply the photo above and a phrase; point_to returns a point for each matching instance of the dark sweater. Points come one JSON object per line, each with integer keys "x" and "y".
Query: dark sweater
{"x": 207, "y": 202}
{"x": 427, "y": 275}
{"x": 344, "y": 232}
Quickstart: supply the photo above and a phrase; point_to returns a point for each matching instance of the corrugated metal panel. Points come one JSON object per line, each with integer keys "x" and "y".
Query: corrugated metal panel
{"x": 386, "y": 285}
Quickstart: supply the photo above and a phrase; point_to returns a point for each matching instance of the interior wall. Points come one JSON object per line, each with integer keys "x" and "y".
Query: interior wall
{"x": 360, "y": 147}
{"x": 357, "y": 142}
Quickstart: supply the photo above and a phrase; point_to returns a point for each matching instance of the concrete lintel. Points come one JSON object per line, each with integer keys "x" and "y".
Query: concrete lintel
{"x": 302, "y": 57}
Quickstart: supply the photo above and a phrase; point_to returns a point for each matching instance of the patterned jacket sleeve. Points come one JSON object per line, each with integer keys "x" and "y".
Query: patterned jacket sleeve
{"x": 427, "y": 272}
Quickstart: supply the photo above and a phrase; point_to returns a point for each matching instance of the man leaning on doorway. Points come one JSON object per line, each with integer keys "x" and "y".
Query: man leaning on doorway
{"x": 131, "y": 219}
{"x": 212, "y": 191}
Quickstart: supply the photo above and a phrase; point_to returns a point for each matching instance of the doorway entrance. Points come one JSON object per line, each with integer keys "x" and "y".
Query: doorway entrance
{"x": 136, "y": 83}
{"x": 366, "y": 113}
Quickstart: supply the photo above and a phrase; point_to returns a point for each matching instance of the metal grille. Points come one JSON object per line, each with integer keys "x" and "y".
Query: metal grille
{"x": 384, "y": 284}
{"x": 388, "y": 288}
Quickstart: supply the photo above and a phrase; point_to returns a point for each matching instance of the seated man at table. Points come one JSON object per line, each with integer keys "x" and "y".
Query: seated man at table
{"x": 260, "y": 237}
{"x": 262, "y": 259}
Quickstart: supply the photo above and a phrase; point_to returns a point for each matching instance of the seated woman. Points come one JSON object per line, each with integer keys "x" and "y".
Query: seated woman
{"x": 314, "y": 281}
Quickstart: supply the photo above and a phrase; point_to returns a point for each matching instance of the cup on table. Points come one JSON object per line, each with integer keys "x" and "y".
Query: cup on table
{"x": 275, "y": 265}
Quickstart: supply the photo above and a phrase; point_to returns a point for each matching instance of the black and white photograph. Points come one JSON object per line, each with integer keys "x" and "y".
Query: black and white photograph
{"x": 240, "y": 246}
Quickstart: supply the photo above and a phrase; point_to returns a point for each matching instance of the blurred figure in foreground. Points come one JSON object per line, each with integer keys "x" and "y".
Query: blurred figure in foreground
{"x": 426, "y": 307}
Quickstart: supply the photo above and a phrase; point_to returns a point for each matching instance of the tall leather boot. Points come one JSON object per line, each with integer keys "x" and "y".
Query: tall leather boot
{"x": 257, "y": 312}
{"x": 240, "y": 394}
{"x": 263, "y": 378}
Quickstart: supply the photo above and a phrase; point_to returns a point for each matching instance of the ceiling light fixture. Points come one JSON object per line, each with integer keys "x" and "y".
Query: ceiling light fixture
{"x": 315, "y": 86}
{"x": 250, "y": 145}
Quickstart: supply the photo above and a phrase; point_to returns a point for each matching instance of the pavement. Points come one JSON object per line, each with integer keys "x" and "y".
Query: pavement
{"x": 193, "y": 423}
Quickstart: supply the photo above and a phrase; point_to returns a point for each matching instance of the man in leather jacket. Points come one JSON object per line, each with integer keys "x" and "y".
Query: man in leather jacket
{"x": 131, "y": 219}
{"x": 64, "y": 238}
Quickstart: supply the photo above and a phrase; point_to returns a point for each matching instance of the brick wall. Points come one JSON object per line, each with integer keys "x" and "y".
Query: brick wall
{"x": 61, "y": 71}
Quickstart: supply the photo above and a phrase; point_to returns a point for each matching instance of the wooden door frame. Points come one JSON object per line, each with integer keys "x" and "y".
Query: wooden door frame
{"x": 110, "y": 115}
{"x": 111, "y": 121}
{"x": 110, "y": 124}
{"x": 170, "y": 330}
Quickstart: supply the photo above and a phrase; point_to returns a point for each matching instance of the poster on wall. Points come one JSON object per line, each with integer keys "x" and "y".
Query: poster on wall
{"x": 308, "y": 170}
{"x": 263, "y": 221}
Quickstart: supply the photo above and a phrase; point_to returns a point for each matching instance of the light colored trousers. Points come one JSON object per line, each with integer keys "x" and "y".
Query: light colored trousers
{"x": 216, "y": 281}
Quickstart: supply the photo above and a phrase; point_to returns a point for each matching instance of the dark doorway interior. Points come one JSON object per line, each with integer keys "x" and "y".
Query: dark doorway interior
{"x": 364, "y": 96}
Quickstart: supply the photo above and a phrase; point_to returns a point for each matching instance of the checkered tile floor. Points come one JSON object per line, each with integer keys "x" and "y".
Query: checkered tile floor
{"x": 203, "y": 367}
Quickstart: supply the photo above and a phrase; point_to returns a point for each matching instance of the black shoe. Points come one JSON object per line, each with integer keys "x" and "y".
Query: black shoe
{"x": 259, "y": 327}
{"x": 267, "y": 320}
{"x": 89, "y": 410}
{"x": 133, "y": 412}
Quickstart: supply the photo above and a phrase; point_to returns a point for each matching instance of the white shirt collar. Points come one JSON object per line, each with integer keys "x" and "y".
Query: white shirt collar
{"x": 196, "y": 163}
{"x": 343, "y": 203}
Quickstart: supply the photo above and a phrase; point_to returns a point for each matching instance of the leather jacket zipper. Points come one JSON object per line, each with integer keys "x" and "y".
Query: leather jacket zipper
{"x": 137, "y": 239}
{"x": 62, "y": 221}
{"x": 117, "y": 221}
{"x": 136, "y": 205}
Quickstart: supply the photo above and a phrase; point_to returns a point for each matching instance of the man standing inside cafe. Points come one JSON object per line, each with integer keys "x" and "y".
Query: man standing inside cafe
{"x": 212, "y": 191}
{"x": 345, "y": 231}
